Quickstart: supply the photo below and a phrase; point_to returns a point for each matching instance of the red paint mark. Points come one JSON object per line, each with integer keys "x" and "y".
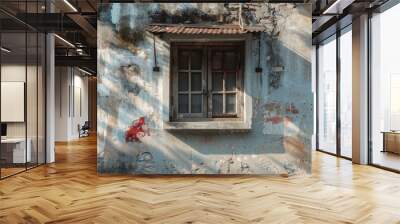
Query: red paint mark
{"x": 137, "y": 130}
{"x": 291, "y": 108}
{"x": 275, "y": 119}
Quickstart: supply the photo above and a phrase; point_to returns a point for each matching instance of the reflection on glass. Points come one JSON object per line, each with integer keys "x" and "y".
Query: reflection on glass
{"x": 327, "y": 97}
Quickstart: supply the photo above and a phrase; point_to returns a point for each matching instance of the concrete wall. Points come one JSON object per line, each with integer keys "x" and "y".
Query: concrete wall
{"x": 281, "y": 102}
{"x": 71, "y": 102}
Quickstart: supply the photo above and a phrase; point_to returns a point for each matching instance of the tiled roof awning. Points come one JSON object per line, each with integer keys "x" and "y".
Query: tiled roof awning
{"x": 202, "y": 29}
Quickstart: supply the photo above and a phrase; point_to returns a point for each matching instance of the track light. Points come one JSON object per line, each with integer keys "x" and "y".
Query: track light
{"x": 70, "y": 5}
{"x": 84, "y": 71}
{"x": 337, "y": 7}
{"x": 5, "y": 50}
{"x": 64, "y": 40}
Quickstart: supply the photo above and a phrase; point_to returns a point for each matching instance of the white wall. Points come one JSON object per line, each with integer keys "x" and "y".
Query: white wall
{"x": 16, "y": 73}
{"x": 33, "y": 126}
{"x": 70, "y": 84}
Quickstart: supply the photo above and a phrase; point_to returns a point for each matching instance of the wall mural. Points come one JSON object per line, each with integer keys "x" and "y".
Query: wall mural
{"x": 131, "y": 102}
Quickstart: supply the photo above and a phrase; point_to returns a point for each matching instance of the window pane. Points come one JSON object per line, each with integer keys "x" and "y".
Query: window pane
{"x": 327, "y": 97}
{"x": 230, "y": 82}
{"x": 196, "y": 103}
{"x": 183, "y": 101}
{"x": 183, "y": 60}
{"x": 196, "y": 60}
{"x": 217, "y": 103}
{"x": 217, "y": 60}
{"x": 230, "y": 62}
{"x": 196, "y": 81}
{"x": 230, "y": 103}
{"x": 385, "y": 88}
{"x": 183, "y": 81}
{"x": 346, "y": 94}
{"x": 217, "y": 81}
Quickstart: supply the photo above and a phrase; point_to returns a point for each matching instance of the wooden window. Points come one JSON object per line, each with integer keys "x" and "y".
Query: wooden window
{"x": 206, "y": 81}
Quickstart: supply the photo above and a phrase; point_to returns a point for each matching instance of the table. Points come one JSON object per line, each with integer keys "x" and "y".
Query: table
{"x": 13, "y": 150}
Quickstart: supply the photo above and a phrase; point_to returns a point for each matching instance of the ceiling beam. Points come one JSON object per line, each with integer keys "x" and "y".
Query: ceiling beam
{"x": 84, "y": 24}
{"x": 78, "y": 61}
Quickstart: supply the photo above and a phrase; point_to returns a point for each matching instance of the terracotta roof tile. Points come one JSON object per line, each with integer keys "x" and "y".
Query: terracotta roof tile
{"x": 202, "y": 29}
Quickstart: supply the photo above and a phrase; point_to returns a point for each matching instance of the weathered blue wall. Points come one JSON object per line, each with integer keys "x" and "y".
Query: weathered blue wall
{"x": 279, "y": 141}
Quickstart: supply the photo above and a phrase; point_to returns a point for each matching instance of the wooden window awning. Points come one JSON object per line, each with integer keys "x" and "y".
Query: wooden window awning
{"x": 202, "y": 29}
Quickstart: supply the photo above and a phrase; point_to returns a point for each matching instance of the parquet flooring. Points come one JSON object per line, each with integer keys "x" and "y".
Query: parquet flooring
{"x": 70, "y": 191}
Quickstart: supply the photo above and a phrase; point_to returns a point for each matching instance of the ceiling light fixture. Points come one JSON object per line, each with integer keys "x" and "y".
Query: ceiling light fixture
{"x": 5, "y": 50}
{"x": 64, "y": 40}
{"x": 337, "y": 7}
{"x": 70, "y": 5}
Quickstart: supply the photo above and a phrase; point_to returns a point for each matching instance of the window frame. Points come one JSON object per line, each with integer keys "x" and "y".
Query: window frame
{"x": 207, "y": 48}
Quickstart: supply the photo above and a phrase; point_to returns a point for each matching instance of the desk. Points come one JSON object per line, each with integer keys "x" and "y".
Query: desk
{"x": 391, "y": 141}
{"x": 15, "y": 148}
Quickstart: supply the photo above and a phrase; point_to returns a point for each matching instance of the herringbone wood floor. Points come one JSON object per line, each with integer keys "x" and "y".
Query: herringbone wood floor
{"x": 70, "y": 191}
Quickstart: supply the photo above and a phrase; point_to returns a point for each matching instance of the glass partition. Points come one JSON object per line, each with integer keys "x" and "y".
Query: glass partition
{"x": 13, "y": 94}
{"x": 22, "y": 77}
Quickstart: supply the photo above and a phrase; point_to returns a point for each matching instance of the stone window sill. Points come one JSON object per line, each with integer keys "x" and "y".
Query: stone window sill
{"x": 208, "y": 126}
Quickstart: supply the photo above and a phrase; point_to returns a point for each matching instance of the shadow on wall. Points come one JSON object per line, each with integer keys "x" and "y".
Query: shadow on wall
{"x": 128, "y": 89}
